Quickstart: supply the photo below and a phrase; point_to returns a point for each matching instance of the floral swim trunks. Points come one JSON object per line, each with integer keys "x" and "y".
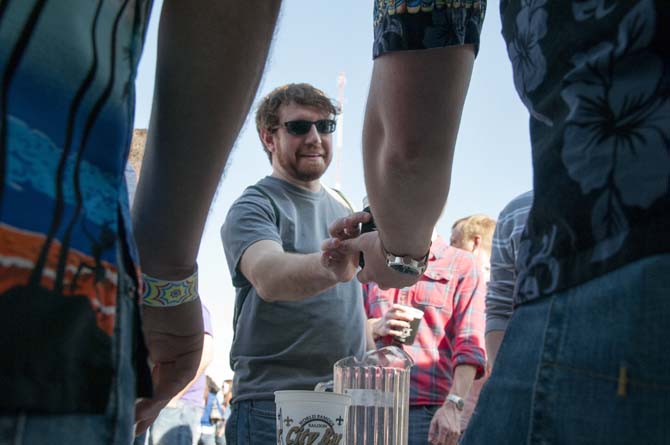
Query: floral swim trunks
{"x": 402, "y": 25}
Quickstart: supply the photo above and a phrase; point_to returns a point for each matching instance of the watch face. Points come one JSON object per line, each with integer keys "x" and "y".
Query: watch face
{"x": 458, "y": 401}
{"x": 405, "y": 269}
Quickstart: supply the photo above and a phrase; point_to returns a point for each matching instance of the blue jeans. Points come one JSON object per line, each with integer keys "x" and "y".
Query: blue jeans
{"x": 588, "y": 365}
{"x": 207, "y": 439}
{"x": 211, "y": 439}
{"x": 419, "y": 423}
{"x": 115, "y": 427}
{"x": 252, "y": 422}
{"x": 179, "y": 425}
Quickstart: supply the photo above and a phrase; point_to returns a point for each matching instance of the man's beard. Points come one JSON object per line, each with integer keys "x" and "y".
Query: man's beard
{"x": 305, "y": 173}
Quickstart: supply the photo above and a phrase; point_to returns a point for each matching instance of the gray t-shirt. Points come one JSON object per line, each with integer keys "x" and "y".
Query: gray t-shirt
{"x": 288, "y": 345}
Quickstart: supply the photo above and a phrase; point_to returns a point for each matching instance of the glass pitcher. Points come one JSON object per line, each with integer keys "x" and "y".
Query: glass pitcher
{"x": 379, "y": 388}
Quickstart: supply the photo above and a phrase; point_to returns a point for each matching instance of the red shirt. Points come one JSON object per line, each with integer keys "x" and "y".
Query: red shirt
{"x": 451, "y": 294}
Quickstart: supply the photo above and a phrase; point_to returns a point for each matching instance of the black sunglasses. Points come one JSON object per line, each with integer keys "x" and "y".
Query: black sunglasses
{"x": 302, "y": 127}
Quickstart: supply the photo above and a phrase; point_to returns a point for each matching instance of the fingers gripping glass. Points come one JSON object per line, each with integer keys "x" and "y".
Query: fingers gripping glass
{"x": 302, "y": 127}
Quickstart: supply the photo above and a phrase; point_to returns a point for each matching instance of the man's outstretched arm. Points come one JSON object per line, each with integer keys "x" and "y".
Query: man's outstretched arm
{"x": 211, "y": 57}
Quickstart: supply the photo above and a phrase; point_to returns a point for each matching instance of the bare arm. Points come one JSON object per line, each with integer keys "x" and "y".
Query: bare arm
{"x": 208, "y": 69}
{"x": 408, "y": 141}
{"x": 408, "y": 148}
{"x": 464, "y": 375}
{"x": 205, "y": 360}
{"x": 493, "y": 341}
{"x": 445, "y": 428}
{"x": 281, "y": 276}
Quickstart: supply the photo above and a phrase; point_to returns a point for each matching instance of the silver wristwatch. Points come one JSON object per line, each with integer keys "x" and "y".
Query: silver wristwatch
{"x": 406, "y": 264}
{"x": 458, "y": 401}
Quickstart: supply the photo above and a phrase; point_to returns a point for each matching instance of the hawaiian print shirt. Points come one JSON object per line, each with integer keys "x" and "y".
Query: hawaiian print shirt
{"x": 67, "y": 104}
{"x": 451, "y": 295}
{"x": 595, "y": 77}
{"x": 420, "y": 24}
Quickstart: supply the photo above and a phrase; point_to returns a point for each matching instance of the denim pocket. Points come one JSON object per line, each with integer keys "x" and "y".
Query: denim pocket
{"x": 604, "y": 369}
{"x": 263, "y": 409}
{"x": 262, "y": 423}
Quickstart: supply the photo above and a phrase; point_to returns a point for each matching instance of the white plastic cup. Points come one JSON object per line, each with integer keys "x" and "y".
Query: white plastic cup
{"x": 311, "y": 417}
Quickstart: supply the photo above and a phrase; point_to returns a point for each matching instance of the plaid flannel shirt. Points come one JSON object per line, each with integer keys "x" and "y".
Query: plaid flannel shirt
{"x": 451, "y": 294}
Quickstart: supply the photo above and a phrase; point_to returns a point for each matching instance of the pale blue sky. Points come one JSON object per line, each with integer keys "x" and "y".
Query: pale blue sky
{"x": 314, "y": 42}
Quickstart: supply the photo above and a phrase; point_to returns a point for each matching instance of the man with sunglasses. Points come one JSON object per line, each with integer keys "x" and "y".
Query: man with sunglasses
{"x": 296, "y": 312}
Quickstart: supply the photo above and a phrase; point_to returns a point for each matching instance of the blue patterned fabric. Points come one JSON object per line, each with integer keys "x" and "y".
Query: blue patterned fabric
{"x": 66, "y": 114}
{"x": 415, "y": 24}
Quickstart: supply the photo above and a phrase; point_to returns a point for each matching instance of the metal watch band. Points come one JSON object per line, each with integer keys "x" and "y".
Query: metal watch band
{"x": 456, "y": 400}
{"x": 406, "y": 264}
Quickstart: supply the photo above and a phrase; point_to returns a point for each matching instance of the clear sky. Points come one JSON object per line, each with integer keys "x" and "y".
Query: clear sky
{"x": 313, "y": 43}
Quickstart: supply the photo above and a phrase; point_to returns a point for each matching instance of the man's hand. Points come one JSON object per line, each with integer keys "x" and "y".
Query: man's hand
{"x": 353, "y": 242}
{"x": 349, "y": 226}
{"x": 174, "y": 337}
{"x": 445, "y": 428}
{"x": 335, "y": 257}
{"x": 392, "y": 323}
{"x": 341, "y": 264}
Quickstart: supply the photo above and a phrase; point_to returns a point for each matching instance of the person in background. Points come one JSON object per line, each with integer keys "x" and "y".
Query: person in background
{"x": 500, "y": 292}
{"x": 212, "y": 415}
{"x": 285, "y": 291}
{"x": 474, "y": 234}
{"x": 448, "y": 350}
{"x": 227, "y": 391}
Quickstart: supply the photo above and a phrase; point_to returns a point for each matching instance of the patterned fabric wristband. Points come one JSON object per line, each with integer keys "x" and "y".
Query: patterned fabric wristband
{"x": 162, "y": 293}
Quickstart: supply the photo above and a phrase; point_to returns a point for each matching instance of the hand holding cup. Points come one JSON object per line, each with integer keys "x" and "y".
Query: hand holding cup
{"x": 400, "y": 322}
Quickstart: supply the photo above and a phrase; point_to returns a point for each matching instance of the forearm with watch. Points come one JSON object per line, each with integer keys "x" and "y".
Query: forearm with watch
{"x": 404, "y": 264}
{"x": 408, "y": 156}
{"x": 464, "y": 375}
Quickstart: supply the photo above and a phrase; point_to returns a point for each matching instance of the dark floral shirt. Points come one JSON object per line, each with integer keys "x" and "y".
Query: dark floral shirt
{"x": 595, "y": 78}
{"x": 421, "y": 24}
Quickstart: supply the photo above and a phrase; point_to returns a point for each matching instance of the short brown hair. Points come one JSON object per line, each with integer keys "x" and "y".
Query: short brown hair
{"x": 477, "y": 225}
{"x": 267, "y": 114}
